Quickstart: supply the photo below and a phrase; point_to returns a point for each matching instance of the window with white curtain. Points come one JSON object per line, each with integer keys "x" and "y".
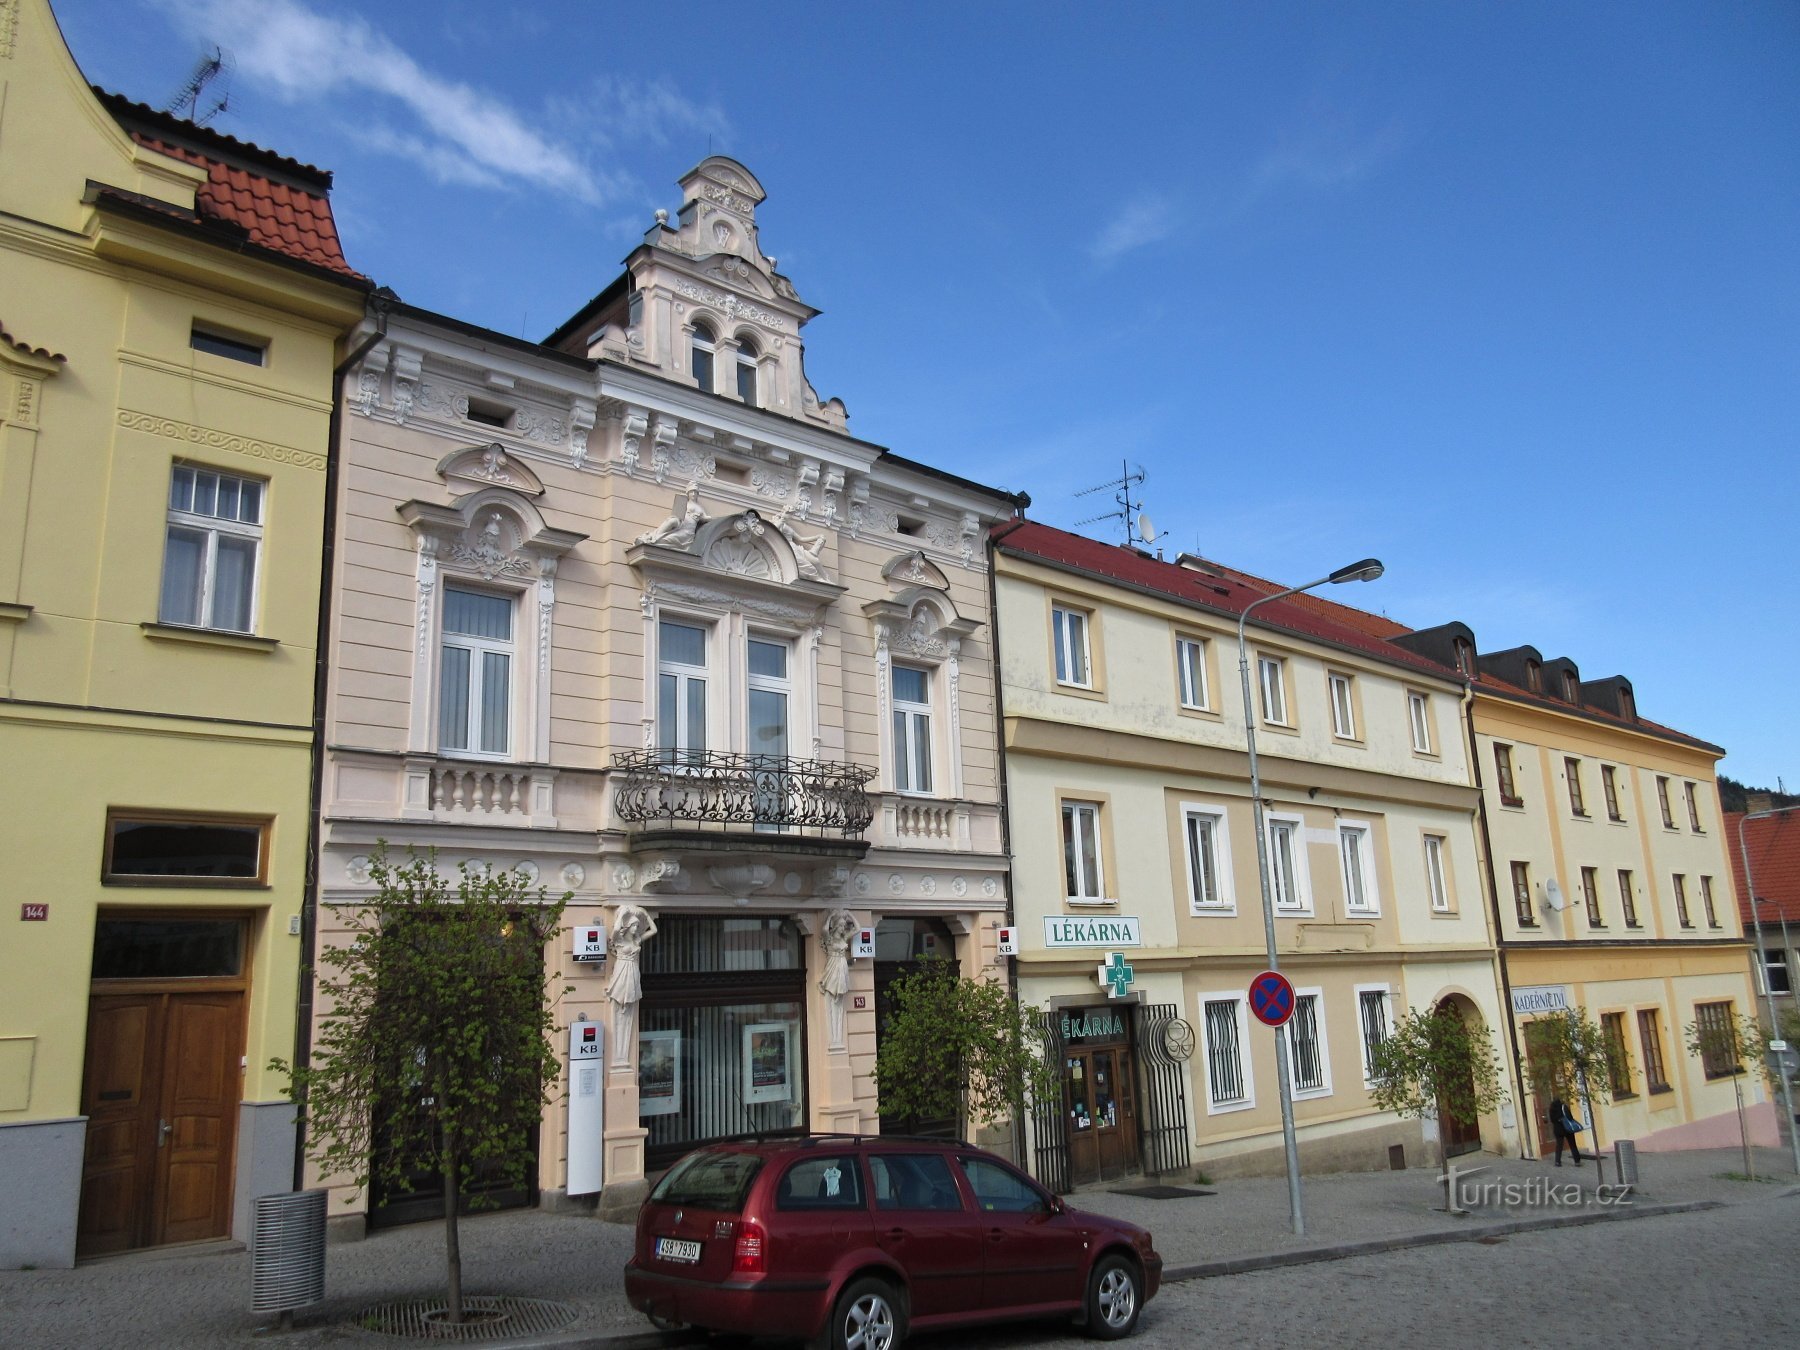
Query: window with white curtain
{"x": 1069, "y": 632}
{"x": 912, "y": 729}
{"x": 1343, "y": 706}
{"x": 1288, "y": 876}
{"x": 1360, "y": 895}
{"x": 1190, "y": 672}
{"x": 475, "y": 673}
{"x": 1081, "y": 853}
{"x": 1209, "y": 862}
{"x": 210, "y": 550}
{"x": 1418, "y": 715}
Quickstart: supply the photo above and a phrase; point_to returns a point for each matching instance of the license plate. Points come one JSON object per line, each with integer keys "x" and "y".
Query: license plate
{"x": 674, "y": 1249}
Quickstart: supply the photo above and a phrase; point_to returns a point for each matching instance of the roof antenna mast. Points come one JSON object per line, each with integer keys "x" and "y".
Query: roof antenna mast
{"x": 195, "y": 99}
{"x": 1138, "y": 529}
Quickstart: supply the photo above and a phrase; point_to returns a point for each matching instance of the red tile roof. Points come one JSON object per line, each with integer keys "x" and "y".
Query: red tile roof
{"x": 279, "y": 203}
{"x": 1228, "y": 594}
{"x": 1774, "y": 847}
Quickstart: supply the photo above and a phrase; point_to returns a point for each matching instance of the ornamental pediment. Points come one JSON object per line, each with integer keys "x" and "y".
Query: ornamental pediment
{"x": 485, "y": 466}
{"x": 914, "y": 569}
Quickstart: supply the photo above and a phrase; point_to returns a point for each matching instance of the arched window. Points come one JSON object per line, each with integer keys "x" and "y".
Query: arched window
{"x": 702, "y": 357}
{"x": 746, "y": 370}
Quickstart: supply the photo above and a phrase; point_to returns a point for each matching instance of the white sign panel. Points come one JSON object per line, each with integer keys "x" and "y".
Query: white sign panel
{"x": 1097, "y": 930}
{"x": 862, "y": 947}
{"x": 1009, "y": 942}
{"x": 1540, "y": 998}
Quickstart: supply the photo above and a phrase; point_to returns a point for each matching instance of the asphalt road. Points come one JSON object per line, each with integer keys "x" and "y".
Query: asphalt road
{"x": 1720, "y": 1278}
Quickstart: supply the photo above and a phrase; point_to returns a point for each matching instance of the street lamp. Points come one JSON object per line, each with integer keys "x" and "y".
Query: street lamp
{"x": 1787, "y": 1089}
{"x": 1366, "y": 570}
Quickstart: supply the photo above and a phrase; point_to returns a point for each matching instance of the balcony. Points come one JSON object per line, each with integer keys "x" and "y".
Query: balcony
{"x": 719, "y": 801}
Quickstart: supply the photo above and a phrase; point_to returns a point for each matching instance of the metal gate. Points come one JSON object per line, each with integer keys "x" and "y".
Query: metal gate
{"x": 1049, "y": 1120}
{"x": 1164, "y": 1045}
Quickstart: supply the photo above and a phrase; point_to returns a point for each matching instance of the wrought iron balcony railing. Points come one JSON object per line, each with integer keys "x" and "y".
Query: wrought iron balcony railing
{"x": 672, "y": 789}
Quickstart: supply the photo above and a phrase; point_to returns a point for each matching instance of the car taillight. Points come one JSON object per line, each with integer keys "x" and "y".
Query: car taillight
{"x": 748, "y": 1256}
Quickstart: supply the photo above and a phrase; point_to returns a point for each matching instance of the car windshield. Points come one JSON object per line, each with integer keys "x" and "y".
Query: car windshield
{"x": 709, "y": 1181}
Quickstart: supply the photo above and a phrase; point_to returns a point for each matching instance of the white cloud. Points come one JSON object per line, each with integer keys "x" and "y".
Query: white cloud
{"x": 462, "y": 134}
{"x": 1146, "y": 219}
{"x": 1323, "y": 155}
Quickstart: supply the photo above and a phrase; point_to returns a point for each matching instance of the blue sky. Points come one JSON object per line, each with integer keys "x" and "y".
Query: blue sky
{"x": 1507, "y": 295}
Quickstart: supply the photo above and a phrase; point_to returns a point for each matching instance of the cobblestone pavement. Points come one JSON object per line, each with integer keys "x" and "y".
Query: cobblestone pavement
{"x": 198, "y": 1299}
{"x": 1719, "y": 1278}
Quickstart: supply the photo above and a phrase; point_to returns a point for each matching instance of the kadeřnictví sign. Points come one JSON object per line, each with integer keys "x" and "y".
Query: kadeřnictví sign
{"x": 1081, "y": 930}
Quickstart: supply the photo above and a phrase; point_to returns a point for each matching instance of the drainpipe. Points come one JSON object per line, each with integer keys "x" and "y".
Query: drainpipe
{"x": 1487, "y": 859}
{"x": 1020, "y": 1151}
{"x": 378, "y": 307}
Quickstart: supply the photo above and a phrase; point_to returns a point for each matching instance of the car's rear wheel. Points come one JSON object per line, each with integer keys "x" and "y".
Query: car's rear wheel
{"x": 867, "y": 1316}
{"x": 1115, "y": 1293}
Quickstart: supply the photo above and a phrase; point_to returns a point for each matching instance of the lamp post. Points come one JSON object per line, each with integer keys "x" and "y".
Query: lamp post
{"x": 1366, "y": 570}
{"x": 1787, "y": 1089}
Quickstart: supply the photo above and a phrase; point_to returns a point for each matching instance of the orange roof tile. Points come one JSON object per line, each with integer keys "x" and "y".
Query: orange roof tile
{"x": 1773, "y": 844}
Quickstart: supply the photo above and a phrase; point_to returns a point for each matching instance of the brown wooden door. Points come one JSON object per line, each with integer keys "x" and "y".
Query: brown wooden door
{"x": 160, "y": 1092}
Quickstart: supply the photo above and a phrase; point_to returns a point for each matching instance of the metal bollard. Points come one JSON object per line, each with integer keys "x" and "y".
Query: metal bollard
{"x": 287, "y": 1262}
{"x": 1625, "y": 1161}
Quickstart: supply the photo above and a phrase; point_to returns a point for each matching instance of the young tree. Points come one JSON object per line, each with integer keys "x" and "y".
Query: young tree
{"x": 439, "y": 1030}
{"x": 1570, "y": 1057}
{"x": 962, "y": 1048}
{"x": 1729, "y": 1045}
{"x": 1432, "y": 1065}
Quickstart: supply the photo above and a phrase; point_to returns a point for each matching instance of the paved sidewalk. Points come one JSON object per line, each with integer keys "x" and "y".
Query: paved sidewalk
{"x": 200, "y": 1298}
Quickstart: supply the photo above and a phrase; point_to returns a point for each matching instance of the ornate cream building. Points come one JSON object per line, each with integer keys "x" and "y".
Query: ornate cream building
{"x": 633, "y": 611}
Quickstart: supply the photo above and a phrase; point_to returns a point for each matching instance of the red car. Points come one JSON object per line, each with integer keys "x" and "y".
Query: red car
{"x": 850, "y": 1242}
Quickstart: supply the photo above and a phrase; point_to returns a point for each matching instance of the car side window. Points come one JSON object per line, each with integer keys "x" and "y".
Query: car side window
{"x": 1001, "y": 1190}
{"x": 821, "y": 1183}
{"x": 913, "y": 1181}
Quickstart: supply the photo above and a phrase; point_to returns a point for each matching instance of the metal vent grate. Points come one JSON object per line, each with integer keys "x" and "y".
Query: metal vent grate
{"x": 501, "y": 1318}
{"x": 287, "y": 1260}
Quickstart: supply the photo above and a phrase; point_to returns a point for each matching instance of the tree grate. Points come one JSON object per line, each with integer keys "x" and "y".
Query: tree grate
{"x": 501, "y": 1318}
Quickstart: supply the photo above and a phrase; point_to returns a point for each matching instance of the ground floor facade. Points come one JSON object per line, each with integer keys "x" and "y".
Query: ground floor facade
{"x": 1646, "y": 998}
{"x": 149, "y": 974}
{"x": 741, "y": 990}
{"x": 1176, "y": 1073}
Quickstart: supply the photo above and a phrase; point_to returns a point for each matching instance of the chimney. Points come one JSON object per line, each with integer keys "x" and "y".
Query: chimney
{"x": 1758, "y": 801}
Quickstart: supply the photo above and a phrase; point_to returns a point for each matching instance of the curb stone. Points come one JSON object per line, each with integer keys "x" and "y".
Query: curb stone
{"x": 1275, "y": 1260}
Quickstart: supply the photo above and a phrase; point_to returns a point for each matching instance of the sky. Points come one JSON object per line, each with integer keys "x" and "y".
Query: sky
{"x": 1504, "y": 294}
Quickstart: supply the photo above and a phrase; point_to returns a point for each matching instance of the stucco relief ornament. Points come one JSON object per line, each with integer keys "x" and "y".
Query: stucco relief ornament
{"x": 427, "y": 586}
{"x": 662, "y": 441}
{"x": 622, "y": 877}
{"x": 959, "y": 885}
{"x": 807, "y": 548}
{"x": 631, "y": 929}
{"x": 492, "y": 467}
{"x": 990, "y": 888}
{"x": 636, "y": 427}
{"x": 840, "y": 927}
{"x": 862, "y": 883}
{"x": 573, "y": 874}
{"x": 737, "y": 551}
{"x": 528, "y": 870}
{"x": 683, "y": 524}
{"x": 368, "y": 391}
{"x": 485, "y": 555}
{"x": 357, "y": 870}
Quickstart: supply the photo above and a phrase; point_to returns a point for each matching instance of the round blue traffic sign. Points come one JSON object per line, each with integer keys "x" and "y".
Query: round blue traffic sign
{"x": 1271, "y": 998}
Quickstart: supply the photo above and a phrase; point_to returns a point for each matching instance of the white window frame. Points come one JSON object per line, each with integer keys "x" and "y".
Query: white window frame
{"x": 708, "y": 673}
{"x": 1362, "y": 1031}
{"x": 1075, "y": 807}
{"x": 700, "y": 339}
{"x": 1065, "y": 620}
{"x": 1241, "y": 1018}
{"x": 905, "y": 746}
{"x": 212, "y": 527}
{"x": 1214, "y": 826}
{"x": 1301, "y": 902}
{"x": 1364, "y": 834}
{"x": 1418, "y": 716}
{"x": 1273, "y": 691}
{"x": 1341, "y": 691}
{"x": 1437, "y": 872}
{"x": 477, "y": 647}
{"x": 1191, "y": 688}
{"x": 771, "y": 684}
{"x": 1323, "y": 1089}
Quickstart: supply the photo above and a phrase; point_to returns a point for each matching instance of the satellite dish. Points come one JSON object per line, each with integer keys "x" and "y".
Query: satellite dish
{"x": 1146, "y": 528}
{"x": 1553, "y": 896}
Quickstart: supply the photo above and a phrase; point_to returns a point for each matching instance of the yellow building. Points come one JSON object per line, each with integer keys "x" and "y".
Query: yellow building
{"x": 171, "y": 306}
{"x": 1607, "y": 854}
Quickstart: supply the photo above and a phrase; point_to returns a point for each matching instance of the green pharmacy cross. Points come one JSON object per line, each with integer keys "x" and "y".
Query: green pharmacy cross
{"x": 1115, "y": 975}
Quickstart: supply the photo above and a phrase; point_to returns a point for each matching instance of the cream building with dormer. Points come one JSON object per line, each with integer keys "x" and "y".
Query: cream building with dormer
{"x": 1139, "y": 912}
{"x": 632, "y": 611}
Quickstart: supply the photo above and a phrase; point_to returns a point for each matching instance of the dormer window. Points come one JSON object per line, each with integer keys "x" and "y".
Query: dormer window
{"x": 1465, "y": 657}
{"x": 746, "y": 371}
{"x": 1534, "y": 677}
{"x": 701, "y": 360}
{"x": 1571, "y": 688}
{"x": 1627, "y": 706}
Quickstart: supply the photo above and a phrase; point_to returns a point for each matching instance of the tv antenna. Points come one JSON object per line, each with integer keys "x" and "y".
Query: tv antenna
{"x": 1138, "y": 527}
{"x": 195, "y": 99}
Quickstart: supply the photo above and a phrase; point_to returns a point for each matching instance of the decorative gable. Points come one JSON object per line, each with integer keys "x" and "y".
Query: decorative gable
{"x": 485, "y": 466}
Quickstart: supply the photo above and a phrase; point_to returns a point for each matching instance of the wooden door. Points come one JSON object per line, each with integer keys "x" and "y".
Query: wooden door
{"x": 1084, "y": 1140}
{"x": 160, "y": 1091}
